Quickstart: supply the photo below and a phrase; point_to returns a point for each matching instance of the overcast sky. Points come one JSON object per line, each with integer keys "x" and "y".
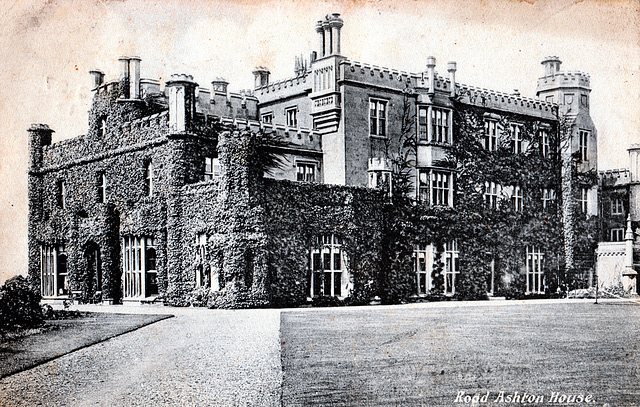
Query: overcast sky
{"x": 48, "y": 47}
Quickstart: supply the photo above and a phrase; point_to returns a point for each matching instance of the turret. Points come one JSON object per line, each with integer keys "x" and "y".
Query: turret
{"x": 182, "y": 101}
{"x": 39, "y": 136}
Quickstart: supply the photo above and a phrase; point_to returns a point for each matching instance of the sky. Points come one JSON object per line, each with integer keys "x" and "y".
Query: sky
{"x": 47, "y": 49}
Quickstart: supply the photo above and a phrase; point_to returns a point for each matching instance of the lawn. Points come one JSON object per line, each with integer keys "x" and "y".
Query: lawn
{"x": 59, "y": 337}
{"x": 426, "y": 355}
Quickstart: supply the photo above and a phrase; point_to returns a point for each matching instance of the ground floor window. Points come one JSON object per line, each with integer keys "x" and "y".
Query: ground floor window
{"x": 535, "y": 273}
{"x": 451, "y": 269}
{"x": 203, "y": 273}
{"x": 53, "y": 270}
{"x": 423, "y": 257}
{"x": 140, "y": 277}
{"x": 328, "y": 267}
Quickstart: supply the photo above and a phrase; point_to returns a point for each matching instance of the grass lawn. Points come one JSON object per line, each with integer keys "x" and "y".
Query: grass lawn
{"x": 427, "y": 355}
{"x": 59, "y": 337}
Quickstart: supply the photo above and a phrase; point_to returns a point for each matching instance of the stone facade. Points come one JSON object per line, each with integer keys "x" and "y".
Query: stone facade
{"x": 619, "y": 249}
{"x": 163, "y": 198}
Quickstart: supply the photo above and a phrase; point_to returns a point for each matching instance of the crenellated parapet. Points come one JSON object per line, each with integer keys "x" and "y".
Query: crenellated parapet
{"x": 615, "y": 177}
{"x": 284, "y": 88}
{"x": 507, "y": 102}
{"x": 568, "y": 79}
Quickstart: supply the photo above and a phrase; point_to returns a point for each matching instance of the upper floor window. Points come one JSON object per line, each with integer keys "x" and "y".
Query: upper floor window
{"x": 267, "y": 118}
{"x": 516, "y": 139}
{"x": 378, "y": 117}
{"x": 291, "y": 115}
{"x": 491, "y": 135}
{"x": 548, "y": 196}
{"x": 435, "y": 187}
{"x": 617, "y": 234}
{"x": 102, "y": 126}
{"x": 584, "y": 144}
{"x": 545, "y": 146}
{"x": 211, "y": 168}
{"x": 517, "y": 199}
{"x": 617, "y": 207}
{"x": 422, "y": 124}
{"x": 61, "y": 194}
{"x": 440, "y": 125}
{"x": 584, "y": 199}
{"x": 492, "y": 193}
{"x": 102, "y": 188}
{"x": 148, "y": 179}
{"x": 306, "y": 172}
{"x": 440, "y": 188}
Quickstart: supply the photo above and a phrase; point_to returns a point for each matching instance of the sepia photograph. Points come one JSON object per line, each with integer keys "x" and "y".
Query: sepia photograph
{"x": 320, "y": 203}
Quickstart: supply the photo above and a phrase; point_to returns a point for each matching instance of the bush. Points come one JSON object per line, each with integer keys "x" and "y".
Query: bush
{"x": 19, "y": 305}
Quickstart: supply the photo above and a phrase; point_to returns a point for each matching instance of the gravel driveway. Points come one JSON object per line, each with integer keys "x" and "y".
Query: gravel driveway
{"x": 201, "y": 357}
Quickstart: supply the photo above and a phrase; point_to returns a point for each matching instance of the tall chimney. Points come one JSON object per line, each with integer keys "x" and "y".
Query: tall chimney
{"x": 336, "y": 24}
{"x": 431, "y": 70}
{"x": 261, "y": 76}
{"x": 328, "y": 42}
{"x": 451, "y": 68}
{"x": 124, "y": 76}
{"x": 98, "y": 78}
{"x": 134, "y": 77}
{"x": 320, "y": 31}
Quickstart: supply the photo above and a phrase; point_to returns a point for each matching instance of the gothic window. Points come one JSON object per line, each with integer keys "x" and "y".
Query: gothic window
{"x": 378, "y": 117}
{"x": 517, "y": 199}
{"x": 53, "y": 270}
{"x": 423, "y": 258}
{"x": 328, "y": 267}
{"x": 617, "y": 207}
{"x": 211, "y": 168}
{"x": 440, "y": 130}
{"x": 306, "y": 172}
{"x": 491, "y": 135}
{"x": 535, "y": 273}
{"x": 545, "y": 146}
{"x": 291, "y": 115}
{"x": 617, "y": 234}
{"x": 139, "y": 274}
{"x": 516, "y": 139}
{"x": 492, "y": 193}
{"x": 548, "y": 196}
{"x": 584, "y": 144}
{"x": 203, "y": 275}
{"x": 451, "y": 270}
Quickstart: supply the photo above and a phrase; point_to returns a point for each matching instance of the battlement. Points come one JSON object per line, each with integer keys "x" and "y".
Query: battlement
{"x": 300, "y": 136}
{"x": 283, "y": 88}
{"x": 615, "y": 177}
{"x": 506, "y": 101}
{"x": 571, "y": 79}
{"x": 393, "y": 77}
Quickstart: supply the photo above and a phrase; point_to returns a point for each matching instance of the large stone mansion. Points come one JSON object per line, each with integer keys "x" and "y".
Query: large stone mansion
{"x": 162, "y": 198}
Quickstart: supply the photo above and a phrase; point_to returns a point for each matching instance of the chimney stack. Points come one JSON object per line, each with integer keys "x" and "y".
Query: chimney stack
{"x": 451, "y": 68}
{"x": 320, "y": 31}
{"x": 431, "y": 71}
{"x": 98, "y": 78}
{"x": 124, "y": 77}
{"x": 134, "y": 77}
{"x": 261, "y": 76}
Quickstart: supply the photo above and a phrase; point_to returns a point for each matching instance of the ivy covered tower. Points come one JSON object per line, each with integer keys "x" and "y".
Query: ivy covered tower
{"x": 578, "y": 148}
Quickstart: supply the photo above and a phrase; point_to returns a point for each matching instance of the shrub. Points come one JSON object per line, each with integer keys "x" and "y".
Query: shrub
{"x": 19, "y": 305}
